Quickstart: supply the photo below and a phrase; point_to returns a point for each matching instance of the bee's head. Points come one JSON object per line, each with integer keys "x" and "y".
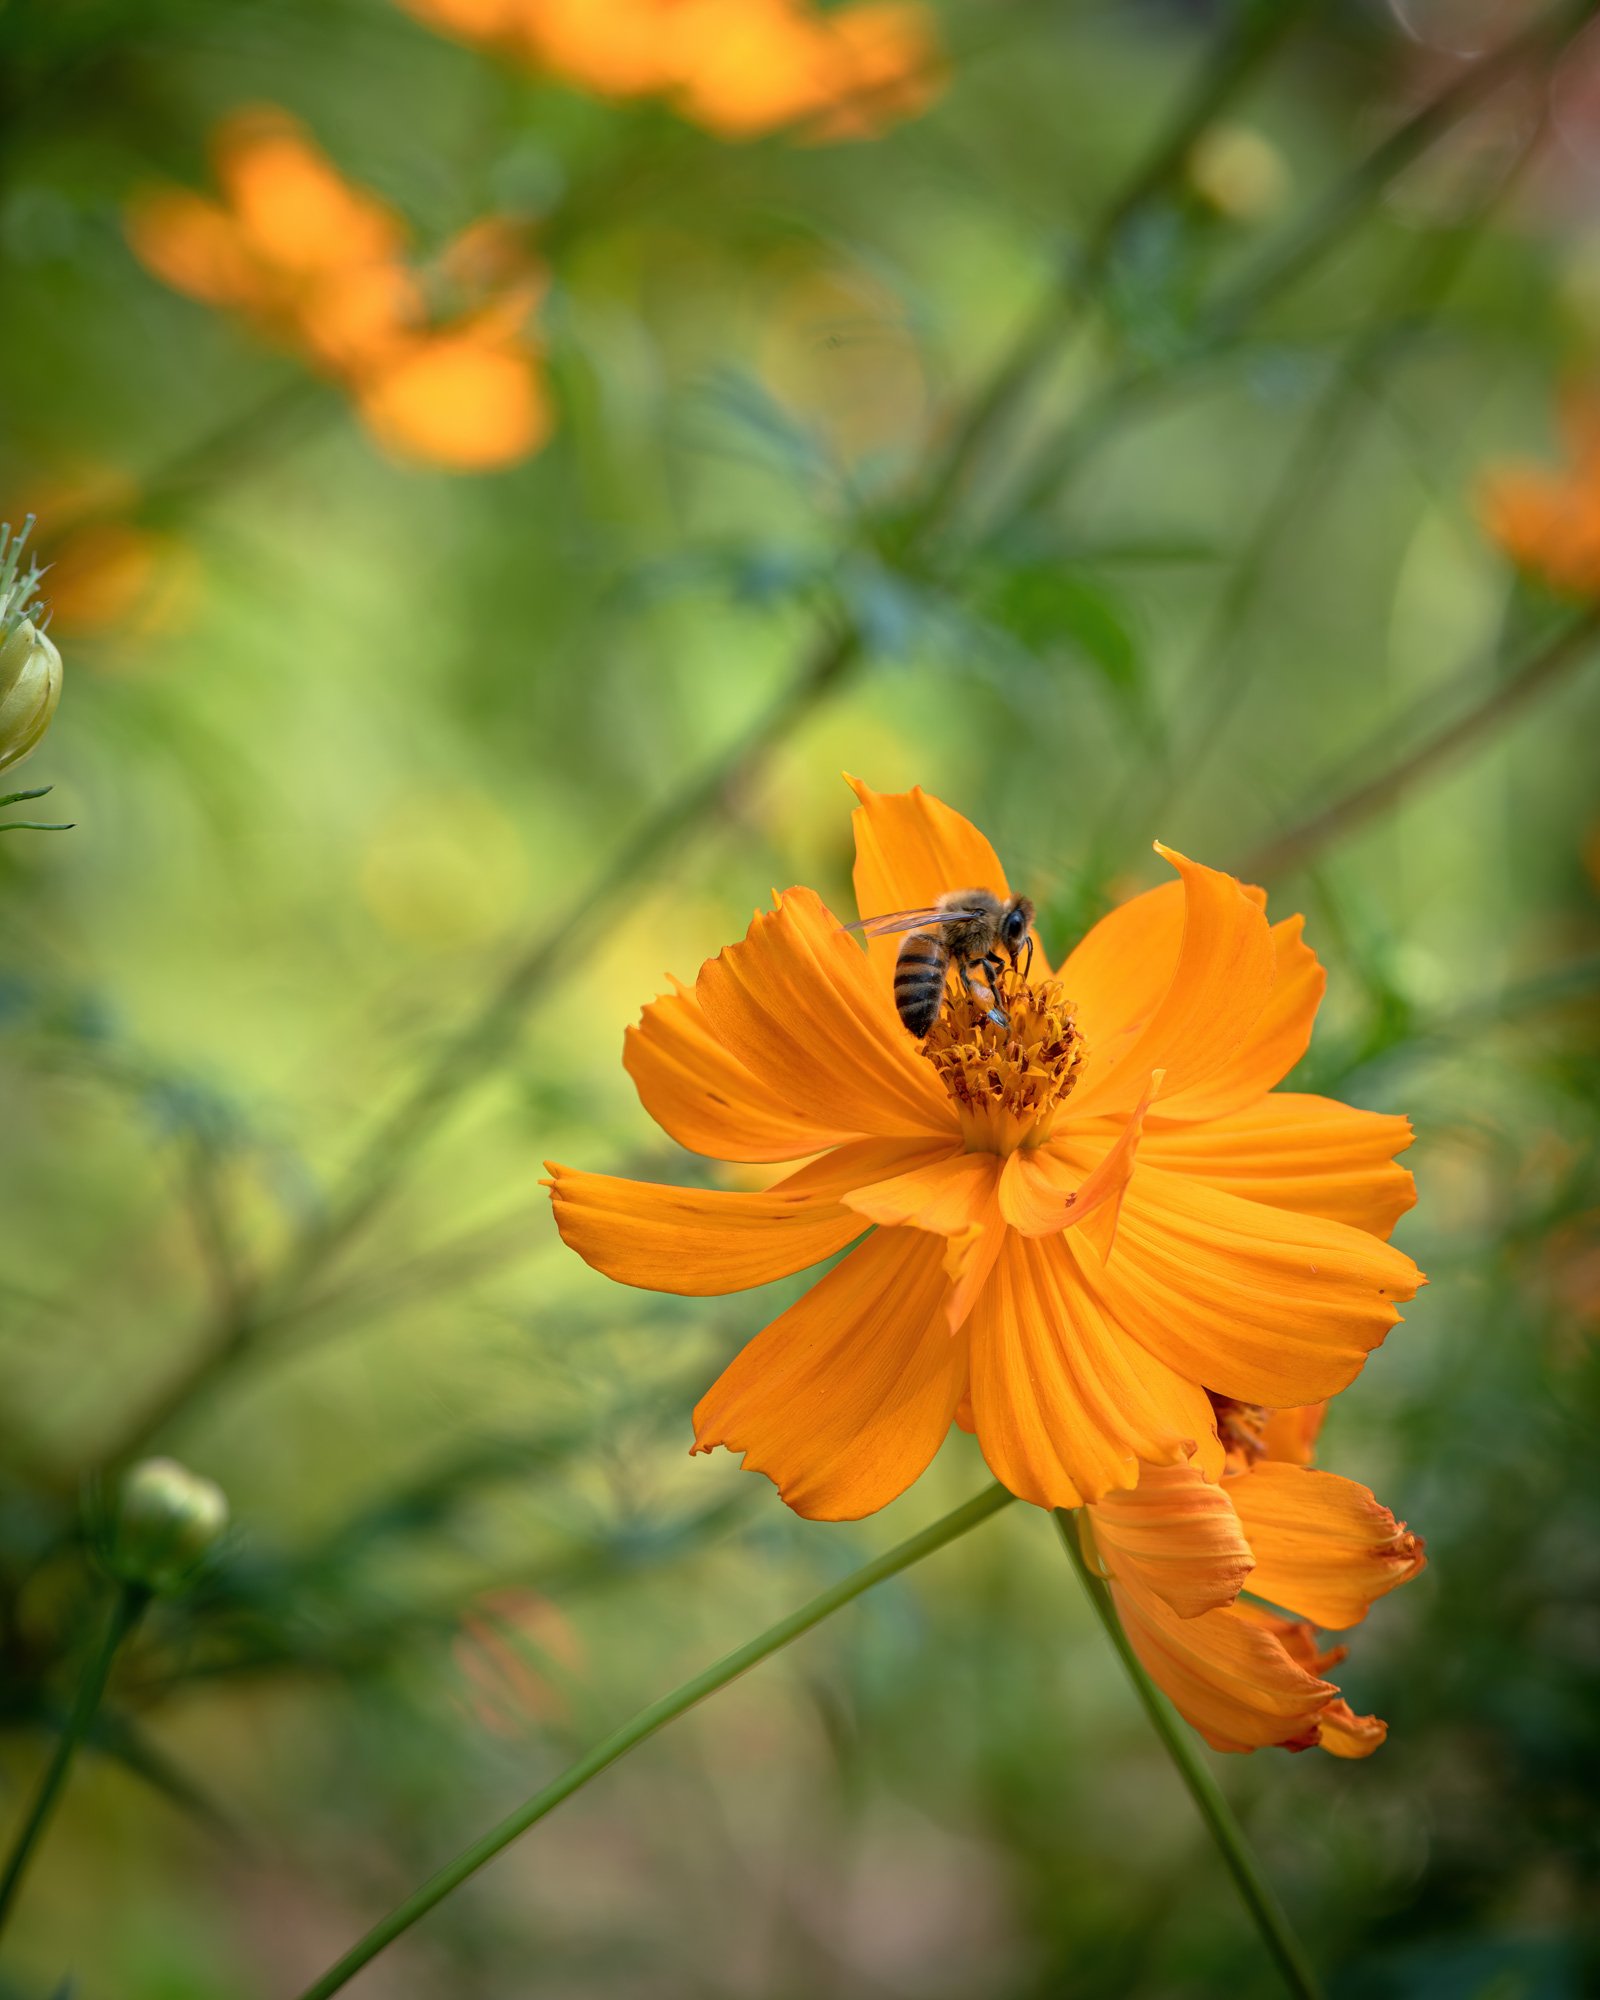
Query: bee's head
{"x": 1015, "y": 924}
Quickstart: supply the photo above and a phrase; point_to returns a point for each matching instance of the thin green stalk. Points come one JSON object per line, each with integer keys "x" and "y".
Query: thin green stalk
{"x": 645, "y": 1725}
{"x": 1277, "y": 1934}
{"x": 125, "y": 1614}
{"x": 484, "y": 1039}
{"x": 1279, "y": 267}
{"x": 1217, "y": 678}
{"x": 1551, "y": 663}
{"x": 1241, "y": 51}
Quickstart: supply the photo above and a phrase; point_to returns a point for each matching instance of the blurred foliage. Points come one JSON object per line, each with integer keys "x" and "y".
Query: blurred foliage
{"x": 1108, "y": 487}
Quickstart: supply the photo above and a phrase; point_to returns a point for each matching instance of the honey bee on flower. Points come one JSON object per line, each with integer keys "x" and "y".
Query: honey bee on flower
{"x": 1085, "y": 1219}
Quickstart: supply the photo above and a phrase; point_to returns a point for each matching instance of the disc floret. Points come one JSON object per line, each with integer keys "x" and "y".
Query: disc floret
{"x": 1006, "y": 1079}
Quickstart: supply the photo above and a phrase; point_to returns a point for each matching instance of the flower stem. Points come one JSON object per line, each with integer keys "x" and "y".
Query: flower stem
{"x": 1570, "y": 646}
{"x": 645, "y": 1725}
{"x": 125, "y": 1614}
{"x": 1267, "y": 1912}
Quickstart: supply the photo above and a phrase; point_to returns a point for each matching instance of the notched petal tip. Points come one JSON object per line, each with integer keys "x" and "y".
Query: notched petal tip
{"x": 1342, "y": 1733}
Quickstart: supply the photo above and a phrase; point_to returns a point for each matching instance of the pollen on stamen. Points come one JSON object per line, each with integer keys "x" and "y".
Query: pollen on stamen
{"x": 1008, "y": 1077}
{"x": 1242, "y": 1427}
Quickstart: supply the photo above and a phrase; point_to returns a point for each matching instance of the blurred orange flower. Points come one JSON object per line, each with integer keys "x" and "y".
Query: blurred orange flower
{"x": 319, "y": 266}
{"x": 1087, "y": 1212}
{"x": 514, "y": 1652}
{"x": 110, "y": 573}
{"x": 1547, "y": 521}
{"x": 1179, "y": 1553}
{"x": 737, "y": 67}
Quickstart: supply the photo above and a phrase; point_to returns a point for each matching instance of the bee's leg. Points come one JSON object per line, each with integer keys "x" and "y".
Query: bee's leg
{"x": 1027, "y": 969}
{"x": 975, "y": 991}
{"x": 992, "y": 968}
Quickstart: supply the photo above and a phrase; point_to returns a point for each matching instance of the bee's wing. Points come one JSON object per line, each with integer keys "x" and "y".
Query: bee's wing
{"x": 908, "y": 920}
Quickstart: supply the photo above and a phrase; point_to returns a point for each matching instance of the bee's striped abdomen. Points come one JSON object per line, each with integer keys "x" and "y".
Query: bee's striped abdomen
{"x": 919, "y": 974}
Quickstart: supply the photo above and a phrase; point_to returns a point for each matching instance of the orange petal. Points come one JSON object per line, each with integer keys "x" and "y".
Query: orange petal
{"x": 1324, "y": 1547}
{"x": 844, "y": 1399}
{"x": 1278, "y": 1039}
{"x": 796, "y": 1003}
{"x": 293, "y": 204}
{"x": 953, "y": 1195}
{"x": 194, "y": 246}
{"x": 1065, "y": 1404}
{"x": 473, "y": 19}
{"x": 1034, "y": 1200}
{"x": 1258, "y": 1303}
{"x": 1175, "y": 1533}
{"x": 1291, "y": 1435}
{"x": 1298, "y": 1152}
{"x": 458, "y": 400}
{"x": 1227, "y": 1674}
{"x": 968, "y": 1261}
{"x": 911, "y": 848}
{"x": 1038, "y": 1189}
{"x": 702, "y": 1241}
{"x": 1117, "y": 973}
{"x": 947, "y": 1194}
{"x": 886, "y": 64}
{"x": 355, "y": 319}
{"x": 1344, "y": 1734}
{"x": 705, "y": 1097}
{"x": 1219, "y": 985}
{"x": 1339, "y": 1732}
{"x": 747, "y": 68}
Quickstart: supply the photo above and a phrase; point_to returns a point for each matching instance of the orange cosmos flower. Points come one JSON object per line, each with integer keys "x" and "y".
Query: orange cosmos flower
{"x": 738, "y": 67}
{"x": 1082, "y": 1220}
{"x": 1548, "y": 522}
{"x": 756, "y": 65}
{"x": 1179, "y": 1552}
{"x": 319, "y": 266}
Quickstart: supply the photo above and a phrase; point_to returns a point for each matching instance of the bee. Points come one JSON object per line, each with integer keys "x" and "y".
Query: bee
{"x": 966, "y": 928}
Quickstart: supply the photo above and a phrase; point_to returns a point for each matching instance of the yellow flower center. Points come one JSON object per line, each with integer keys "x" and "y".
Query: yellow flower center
{"x": 1006, "y": 1081}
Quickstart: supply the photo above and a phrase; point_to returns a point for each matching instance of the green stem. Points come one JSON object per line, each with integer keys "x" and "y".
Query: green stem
{"x": 1267, "y": 1912}
{"x": 484, "y": 1039}
{"x": 125, "y": 1614}
{"x": 1217, "y": 677}
{"x": 1278, "y": 268}
{"x": 645, "y": 1725}
{"x": 1242, "y": 49}
{"x": 1567, "y": 650}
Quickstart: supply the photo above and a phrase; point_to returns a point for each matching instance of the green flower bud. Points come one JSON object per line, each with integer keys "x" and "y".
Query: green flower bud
{"x": 168, "y": 1521}
{"x": 30, "y": 666}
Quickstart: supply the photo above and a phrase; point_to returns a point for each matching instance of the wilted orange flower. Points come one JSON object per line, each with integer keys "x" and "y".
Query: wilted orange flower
{"x": 737, "y": 67}
{"x": 1085, "y": 1218}
{"x": 320, "y": 267}
{"x": 1548, "y": 522}
{"x": 1201, "y": 1575}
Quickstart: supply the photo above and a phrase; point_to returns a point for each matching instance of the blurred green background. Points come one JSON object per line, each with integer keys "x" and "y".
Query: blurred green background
{"x": 1096, "y": 441}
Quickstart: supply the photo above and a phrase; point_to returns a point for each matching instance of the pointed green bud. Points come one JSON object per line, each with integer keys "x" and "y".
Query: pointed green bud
{"x": 30, "y": 666}
{"x": 168, "y": 1521}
